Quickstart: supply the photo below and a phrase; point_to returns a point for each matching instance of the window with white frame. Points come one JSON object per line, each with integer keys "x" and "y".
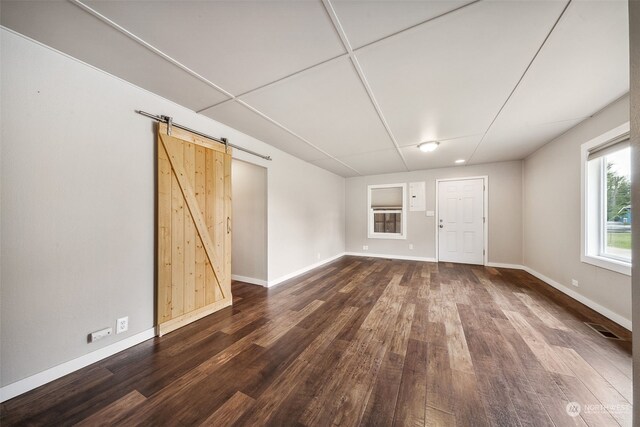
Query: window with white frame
{"x": 387, "y": 211}
{"x": 607, "y": 202}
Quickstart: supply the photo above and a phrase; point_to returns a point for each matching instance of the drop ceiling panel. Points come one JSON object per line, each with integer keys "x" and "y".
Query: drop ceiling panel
{"x": 239, "y": 117}
{"x": 449, "y": 77}
{"x": 445, "y": 156}
{"x": 66, "y": 27}
{"x": 336, "y": 167}
{"x": 518, "y": 140}
{"x": 445, "y": 79}
{"x": 239, "y": 45}
{"x": 376, "y": 162}
{"x": 370, "y": 20}
{"x": 583, "y": 67}
{"x": 327, "y": 106}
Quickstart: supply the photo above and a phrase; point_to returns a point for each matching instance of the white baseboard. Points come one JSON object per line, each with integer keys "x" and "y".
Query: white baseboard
{"x": 281, "y": 279}
{"x": 626, "y": 323}
{"x": 402, "y": 257}
{"x": 503, "y": 265}
{"x": 251, "y": 280}
{"x": 34, "y": 381}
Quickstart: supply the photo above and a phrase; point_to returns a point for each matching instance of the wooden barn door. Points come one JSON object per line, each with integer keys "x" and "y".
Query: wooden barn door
{"x": 194, "y": 228}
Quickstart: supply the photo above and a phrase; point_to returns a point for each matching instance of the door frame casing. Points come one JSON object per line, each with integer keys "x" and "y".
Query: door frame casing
{"x": 485, "y": 213}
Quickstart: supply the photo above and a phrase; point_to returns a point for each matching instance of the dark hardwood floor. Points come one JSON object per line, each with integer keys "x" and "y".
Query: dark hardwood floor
{"x": 362, "y": 341}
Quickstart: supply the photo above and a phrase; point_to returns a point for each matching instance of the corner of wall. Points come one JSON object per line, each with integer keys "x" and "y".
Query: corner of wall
{"x": 523, "y": 163}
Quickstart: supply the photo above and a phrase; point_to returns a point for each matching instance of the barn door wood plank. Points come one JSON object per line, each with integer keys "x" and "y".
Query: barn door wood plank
{"x": 164, "y": 235}
{"x": 190, "y": 235}
{"x": 192, "y": 205}
{"x": 210, "y": 294}
{"x": 200, "y": 253}
{"x": 218, "y": 216}
{"x": 177, "y": 238}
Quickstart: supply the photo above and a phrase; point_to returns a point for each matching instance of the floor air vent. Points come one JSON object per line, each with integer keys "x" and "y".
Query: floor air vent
{"x": 602, "y": 330}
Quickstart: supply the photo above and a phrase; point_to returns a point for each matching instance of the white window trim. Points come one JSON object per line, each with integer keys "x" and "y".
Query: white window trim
{"x": 612, "y": 264}
{"x": 373, "y": 235}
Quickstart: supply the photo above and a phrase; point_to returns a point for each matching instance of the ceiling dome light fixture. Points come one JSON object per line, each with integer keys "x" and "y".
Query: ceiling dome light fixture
{"x": 427, "y": 147}
{"x": 460, "y": 161}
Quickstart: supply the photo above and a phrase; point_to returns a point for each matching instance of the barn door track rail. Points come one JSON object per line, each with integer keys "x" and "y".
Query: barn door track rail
{"x": 170, "y": 123}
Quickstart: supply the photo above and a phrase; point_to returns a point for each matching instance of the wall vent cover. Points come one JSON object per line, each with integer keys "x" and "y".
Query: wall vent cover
{"x": 602, "y": 330}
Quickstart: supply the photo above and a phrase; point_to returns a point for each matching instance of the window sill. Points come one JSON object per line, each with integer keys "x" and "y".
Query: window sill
{"x": 387, "y": 236}
{"x": 608, "y": 263}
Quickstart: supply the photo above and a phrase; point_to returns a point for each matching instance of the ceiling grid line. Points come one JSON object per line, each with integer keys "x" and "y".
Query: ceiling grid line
{"x": 275, "y": 122}
{"x": 350, "y": 53}
{"x": 152, "y": 48}
{"x": 493, "y": 82}
{"x": 555, "y": 24}
{"x": 404, "y": 30}
{"x": 201, "y": 110}
{"x": 281, "y": 79}
{"x": 232, "y": 97}
{"x": 343, "y": 37}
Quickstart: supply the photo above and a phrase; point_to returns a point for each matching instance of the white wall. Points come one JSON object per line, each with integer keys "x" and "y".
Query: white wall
{"x": 505, "y": 212}
{"x": 306, "y": 217}
{"x": 552, "y": 215}
{"x": 249, "y": 245}
{"x": 77, "y": 222}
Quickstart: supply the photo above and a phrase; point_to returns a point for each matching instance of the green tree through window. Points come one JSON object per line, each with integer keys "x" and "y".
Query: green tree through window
{"x": 618, "y": 195}
{"x": 618, "y": 204}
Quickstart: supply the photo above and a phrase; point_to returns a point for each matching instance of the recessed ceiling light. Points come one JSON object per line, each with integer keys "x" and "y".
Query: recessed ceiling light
{"x": 428, "y": 146}
{"x": 460, "y": 161}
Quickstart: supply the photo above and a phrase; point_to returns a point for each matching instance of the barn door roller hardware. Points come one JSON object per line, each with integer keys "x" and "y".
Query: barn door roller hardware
{"x": 170, "y": 124}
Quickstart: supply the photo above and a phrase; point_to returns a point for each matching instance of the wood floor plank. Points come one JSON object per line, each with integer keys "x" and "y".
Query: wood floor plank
{"x": 469, "y": 408}
{"x": 438, "y": 418}
{"x": 279, "y": 390}
{"x": 381, "y": 405}
{"x": 440, "y": 393}
{"x": 547, "y": 356}
{"x": 402, "y": 329}
{"x": 497, "y": 400}
{"x": 350, "y": 384}
{"x": 537, "y": 309}
{"x": 47, "y": 397}
{"x": 412, "y": 397}
{"x": 113, "y": 413}
{"x": 575, "y": 391}
{"x": 230, "y": 411}
{"x": 606, "y": 394}
{"x": 361, "y": 341}
{"x": 557, "y": 411}
{"x": 290, "y": 411}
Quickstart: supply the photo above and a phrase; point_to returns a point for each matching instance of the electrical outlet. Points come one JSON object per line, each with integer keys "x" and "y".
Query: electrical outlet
{"x": 98, "y": 335}
{"x": 574, "y": 282}
{"x": 365, "y": 248}
{"x": 122, "y": 325}
{"x": 410, "y": 245}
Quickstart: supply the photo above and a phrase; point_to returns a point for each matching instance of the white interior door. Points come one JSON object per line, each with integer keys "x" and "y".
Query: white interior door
{"x": 461, "y": 221}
